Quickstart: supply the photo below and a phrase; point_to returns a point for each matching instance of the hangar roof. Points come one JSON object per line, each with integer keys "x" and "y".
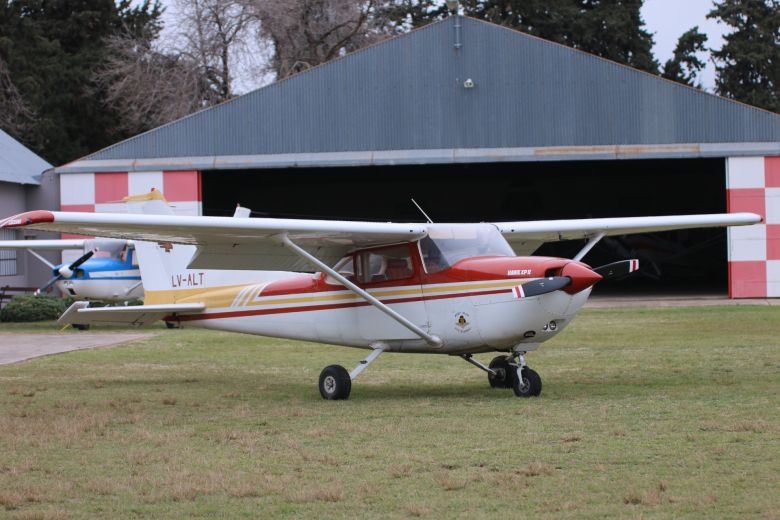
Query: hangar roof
{"x": 18, "y": 164}
{"x": 459, "y": 90}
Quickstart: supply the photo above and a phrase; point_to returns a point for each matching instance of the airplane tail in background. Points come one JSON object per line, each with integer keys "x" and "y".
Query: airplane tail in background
{"x": 163, "y": 265}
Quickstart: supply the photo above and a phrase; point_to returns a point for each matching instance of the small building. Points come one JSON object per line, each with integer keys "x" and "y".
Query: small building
{"x": 477, "y": 122}
{"x": 25, "y": 185}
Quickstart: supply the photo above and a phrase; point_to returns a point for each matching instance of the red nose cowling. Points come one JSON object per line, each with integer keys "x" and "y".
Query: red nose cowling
{"x": 581, "y": 276}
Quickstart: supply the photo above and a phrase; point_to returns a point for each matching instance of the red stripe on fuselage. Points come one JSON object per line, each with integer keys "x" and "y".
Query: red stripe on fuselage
{"x": 284, "y": 310}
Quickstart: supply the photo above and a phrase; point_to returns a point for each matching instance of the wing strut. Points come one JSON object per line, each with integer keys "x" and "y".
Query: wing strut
{"x": 587, "y": 247}
{"x": 42, "y": 259}
{"x": 432, "y": 340}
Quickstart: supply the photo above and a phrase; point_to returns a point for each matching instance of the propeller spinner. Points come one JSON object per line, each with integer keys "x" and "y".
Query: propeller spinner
{"x": 65, "y": 272}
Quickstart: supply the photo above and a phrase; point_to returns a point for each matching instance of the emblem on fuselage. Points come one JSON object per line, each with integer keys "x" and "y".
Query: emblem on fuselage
{"x": 462, "y": 323}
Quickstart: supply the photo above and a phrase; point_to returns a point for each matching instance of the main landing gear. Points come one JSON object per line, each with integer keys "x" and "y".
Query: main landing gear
{"x": 336, "y": 382}
{"x": 511, "y": 372}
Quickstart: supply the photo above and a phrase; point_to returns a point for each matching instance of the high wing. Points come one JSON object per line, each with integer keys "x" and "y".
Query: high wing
{"x": 228, "y": 242}
{"x": 52, "y": 245}
{"x": 526, "y": 236}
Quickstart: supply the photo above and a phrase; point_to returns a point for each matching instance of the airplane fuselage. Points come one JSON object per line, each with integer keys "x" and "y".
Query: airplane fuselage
{"x": 472, "y": 307}
{"x": 103, "y": 279}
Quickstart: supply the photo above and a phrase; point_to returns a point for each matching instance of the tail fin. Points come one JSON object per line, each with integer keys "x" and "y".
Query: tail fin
{"x": 163, "y": 266}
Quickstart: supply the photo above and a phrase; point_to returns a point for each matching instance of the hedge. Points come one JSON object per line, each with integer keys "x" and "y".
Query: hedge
{"x": 33, "y": 308}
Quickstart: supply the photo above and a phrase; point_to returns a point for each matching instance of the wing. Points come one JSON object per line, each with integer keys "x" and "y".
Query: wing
{"x": 526, "y": 237}
{"x": 53, "y": 245}
{"x": 228, "y": 242}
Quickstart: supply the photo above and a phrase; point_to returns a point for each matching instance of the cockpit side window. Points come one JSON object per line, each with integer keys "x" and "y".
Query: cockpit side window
{"x": 383, "y": 265}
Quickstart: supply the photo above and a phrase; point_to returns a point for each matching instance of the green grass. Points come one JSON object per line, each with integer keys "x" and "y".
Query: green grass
{"x": 644, "y": 414}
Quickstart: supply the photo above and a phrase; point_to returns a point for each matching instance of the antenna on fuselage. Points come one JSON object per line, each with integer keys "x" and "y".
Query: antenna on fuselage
{"x": 422, "y": 211}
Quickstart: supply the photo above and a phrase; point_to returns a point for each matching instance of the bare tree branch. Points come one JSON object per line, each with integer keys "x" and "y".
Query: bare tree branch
{"x": 306, "y": 33}
{"x": 16, "y": 116}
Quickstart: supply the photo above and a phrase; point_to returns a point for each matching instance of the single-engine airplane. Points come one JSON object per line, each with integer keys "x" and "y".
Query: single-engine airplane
{"x": 455, "y": 289}
{"x": 107, "y": 271}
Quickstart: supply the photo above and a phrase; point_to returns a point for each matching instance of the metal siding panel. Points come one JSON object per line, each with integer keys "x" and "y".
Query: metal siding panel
{"x": 407, "y": 94}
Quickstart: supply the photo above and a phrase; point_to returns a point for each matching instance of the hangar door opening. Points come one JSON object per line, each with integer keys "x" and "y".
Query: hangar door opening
{"x": 681, "y": 262}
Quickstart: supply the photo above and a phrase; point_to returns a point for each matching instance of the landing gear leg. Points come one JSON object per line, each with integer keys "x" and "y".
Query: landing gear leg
{"x": 526, "y": 382}
{"x": 336, "y": 382}
{"x": 500, "y": 373}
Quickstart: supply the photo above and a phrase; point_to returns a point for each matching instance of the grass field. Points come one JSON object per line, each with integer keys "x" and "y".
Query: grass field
{"x": 644, "y": 414}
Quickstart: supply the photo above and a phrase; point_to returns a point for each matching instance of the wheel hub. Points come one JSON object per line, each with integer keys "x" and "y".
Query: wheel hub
{"x": 330, "y": 384}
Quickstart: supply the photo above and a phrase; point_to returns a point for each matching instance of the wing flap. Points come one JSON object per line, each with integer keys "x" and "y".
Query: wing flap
{"x": 79, "y": 313}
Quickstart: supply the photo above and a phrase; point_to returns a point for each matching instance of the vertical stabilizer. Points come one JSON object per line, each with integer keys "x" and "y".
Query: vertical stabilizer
{"x": 163, "y": 265}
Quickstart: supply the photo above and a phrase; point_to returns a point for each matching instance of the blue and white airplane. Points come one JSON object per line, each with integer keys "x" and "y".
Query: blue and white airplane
{"x": 107, "y": 271}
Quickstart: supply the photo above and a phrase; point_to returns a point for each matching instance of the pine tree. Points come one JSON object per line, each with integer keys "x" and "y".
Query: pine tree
{"x": 748, "y": 64}
{"x": 685, "y": 66}
{"x": 612, "y": 29}
{"x": 51, "y": 49}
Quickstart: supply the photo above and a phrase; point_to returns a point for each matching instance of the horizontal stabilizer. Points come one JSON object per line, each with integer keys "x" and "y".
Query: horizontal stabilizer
{"x": 79, "y": 313}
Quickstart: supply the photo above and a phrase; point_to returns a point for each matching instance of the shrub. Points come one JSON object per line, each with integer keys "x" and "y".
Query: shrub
{"x": 33, "y": 308}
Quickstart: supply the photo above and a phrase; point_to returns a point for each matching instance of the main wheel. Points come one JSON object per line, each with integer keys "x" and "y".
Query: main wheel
{"x": 503, "y": 379}
{"x": 335, "y": 383}
{"x": 530, "y": 385}
{"x": 79, "y": 326}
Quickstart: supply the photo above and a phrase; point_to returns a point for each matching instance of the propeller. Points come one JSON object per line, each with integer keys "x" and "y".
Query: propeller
{"x": 617, "y": 269}
{"x": 65, "y": 272}
{"x": 541, "y": 286}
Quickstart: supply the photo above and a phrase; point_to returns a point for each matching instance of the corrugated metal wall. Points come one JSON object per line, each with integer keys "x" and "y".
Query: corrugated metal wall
{"x": 408, "y": 94}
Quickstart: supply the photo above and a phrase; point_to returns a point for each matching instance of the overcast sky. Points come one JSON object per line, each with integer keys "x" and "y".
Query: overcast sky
{"x": 667, "y": 20}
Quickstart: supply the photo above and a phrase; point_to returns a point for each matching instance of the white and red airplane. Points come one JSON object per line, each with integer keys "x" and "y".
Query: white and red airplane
{"x": 455, "y": 289}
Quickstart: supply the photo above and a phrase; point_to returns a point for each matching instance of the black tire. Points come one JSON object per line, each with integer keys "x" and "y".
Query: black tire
{"x": 504, "y": 378}
{"x": 79, "y": 326}
{"x": 529, "y": 386}
{"x": 335, "y": 383}
{"x": 171, "y": 325}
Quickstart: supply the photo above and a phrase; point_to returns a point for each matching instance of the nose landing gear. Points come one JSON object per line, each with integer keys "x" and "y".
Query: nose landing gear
{"x": 511, "y": 372}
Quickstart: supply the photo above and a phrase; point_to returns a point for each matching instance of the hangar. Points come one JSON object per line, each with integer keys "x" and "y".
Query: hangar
{"x": 477, "y": 122}
{"x": 25, "y": 184}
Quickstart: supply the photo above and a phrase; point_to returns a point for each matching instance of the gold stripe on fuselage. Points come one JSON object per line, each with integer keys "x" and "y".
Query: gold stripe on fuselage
{"x": 243, "y": 295}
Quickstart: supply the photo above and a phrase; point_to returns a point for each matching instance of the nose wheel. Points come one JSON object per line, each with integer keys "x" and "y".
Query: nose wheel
{"x": 527, "y": 383}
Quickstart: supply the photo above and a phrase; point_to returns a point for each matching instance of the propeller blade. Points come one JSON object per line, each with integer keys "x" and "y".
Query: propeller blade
{"x": 541, "y": 286}
{"x": 81, "y": 260}
{"x": 617, "y": 269}
{"x": 47, "y": 285}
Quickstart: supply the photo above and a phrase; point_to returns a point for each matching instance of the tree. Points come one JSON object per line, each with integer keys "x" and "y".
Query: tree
{"x": 52, "y": 49}
{"x": 685, "y": 66}
{"x": 148, "y": 87}
{"x": 16, "y": 116}
{"x": 215, "y": 34}
{"x": 748, "y": 64}
{"x": 612, "y": 29}
{"x": 306, "y": 33}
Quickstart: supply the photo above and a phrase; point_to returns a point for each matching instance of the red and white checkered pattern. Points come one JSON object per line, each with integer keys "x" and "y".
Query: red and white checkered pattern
{"x": 753, "y": 184}
{"x": 103, "y": 192}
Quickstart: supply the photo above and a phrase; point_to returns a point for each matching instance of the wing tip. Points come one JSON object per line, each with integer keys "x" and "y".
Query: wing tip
{"x": 27, "y": 219}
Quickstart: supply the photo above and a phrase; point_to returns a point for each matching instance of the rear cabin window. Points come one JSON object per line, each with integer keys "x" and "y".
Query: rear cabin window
{"x": 384, "y": 265}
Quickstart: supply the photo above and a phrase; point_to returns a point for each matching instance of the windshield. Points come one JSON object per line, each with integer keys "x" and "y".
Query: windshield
{"x": 447, "y": 244}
